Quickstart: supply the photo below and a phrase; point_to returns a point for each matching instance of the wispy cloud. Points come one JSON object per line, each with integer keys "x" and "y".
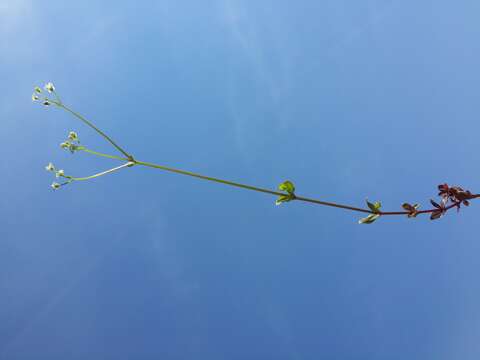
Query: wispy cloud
{"x": 270, "y": 74}
{"x": 19, "y": 35}
{"x": 373, "y": 21}
{"x": 54, "y": 300}
{"x": 13, "y": 14}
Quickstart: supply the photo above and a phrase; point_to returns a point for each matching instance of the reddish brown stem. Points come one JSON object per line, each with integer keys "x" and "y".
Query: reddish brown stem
{"x": 421, "y": 211}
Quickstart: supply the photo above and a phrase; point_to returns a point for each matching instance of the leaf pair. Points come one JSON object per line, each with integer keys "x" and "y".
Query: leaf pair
{"x": 412, "y": 209}
{"x": 289, "y": 188}
{"x": 369, "y": 219}
{"x": 439, "y": 209}
{"x": 375, "y": 208}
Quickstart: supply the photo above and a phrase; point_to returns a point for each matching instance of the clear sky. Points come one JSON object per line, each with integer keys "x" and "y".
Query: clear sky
{"x": 348, "y": 99}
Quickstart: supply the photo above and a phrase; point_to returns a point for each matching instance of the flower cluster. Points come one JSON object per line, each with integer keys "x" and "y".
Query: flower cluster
{"x": 58, "y": 174}
{"x": 38, "y": 95}
{"x": 72, "y": 143}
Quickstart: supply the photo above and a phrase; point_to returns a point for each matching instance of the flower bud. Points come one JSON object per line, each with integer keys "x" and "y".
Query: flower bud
{"x": 72, "y": 135}
{"x": 55, "y": 185}
{"x": 50, "y": 167}
{"x": 49, "y": 87}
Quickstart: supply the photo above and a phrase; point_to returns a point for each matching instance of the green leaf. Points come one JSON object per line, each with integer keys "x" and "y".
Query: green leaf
{"x": 375, "y": 207}
{"x": 287, "y": 186}
{"x": 284, "y": 198}
{"x": 369, "y": 219}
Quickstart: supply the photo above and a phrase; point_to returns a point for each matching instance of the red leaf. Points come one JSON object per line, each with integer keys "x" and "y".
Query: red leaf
{"x": 436, "y": 215}
{"x": 408, "y": 207}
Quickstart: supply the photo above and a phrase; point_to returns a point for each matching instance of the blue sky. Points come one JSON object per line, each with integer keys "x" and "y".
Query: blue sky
{"x": 348, "y": 99}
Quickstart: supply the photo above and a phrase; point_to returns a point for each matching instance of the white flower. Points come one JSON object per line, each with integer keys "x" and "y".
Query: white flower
{"x": 49, "y": 87}
{"x": 46, "y": 102}
{"x": 72, "y": 135}
{"x": 69, "y": 146}
{"x": 38, "y": 90}
{"x": 34, "y": 97}
{"x": 59, "y": 173}
{"x": 55, "y": 185}
{"x": 50, "y": 167}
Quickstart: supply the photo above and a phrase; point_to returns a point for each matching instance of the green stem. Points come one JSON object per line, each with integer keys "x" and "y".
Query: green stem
{"x": 103, "y": 172}
{"x": 105, "y": 136}
{"x": 325, "y": 203}
{"x": 249, "y": 187}
{"x": 130, "y": 162}
{"x": 209, "y": 178}
{"x": 59, "y": 101}
{"x": 243, "y": 186}
{"x": 83, "y": 148}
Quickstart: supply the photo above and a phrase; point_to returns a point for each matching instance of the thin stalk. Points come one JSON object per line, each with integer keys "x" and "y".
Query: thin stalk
{"x": 103, "y": 172}
{"x": 59, "y": 101}
{"x": 130, "y": 161}
{"x": 83, "y": 148}
{"x": 325, "y": 203}
{"x": 429, "y": 211}
{"x": 188, "y": 173}
{"x": 88, "y": 123}
{"x": 209, "y": 178}
{"x": 299, "y": 198}
{"x": 247, "y": 187}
